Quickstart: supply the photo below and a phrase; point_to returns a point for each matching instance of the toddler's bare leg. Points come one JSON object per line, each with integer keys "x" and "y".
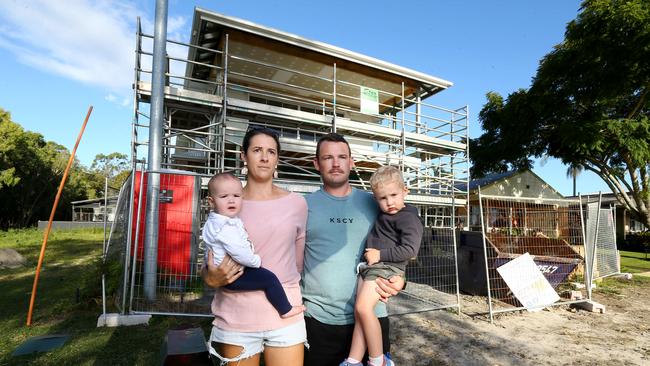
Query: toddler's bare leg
{"x": 358, "y": 347}
{"x": 364, "y": 310}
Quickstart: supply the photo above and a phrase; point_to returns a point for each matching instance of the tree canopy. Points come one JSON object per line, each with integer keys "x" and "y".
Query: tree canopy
{"x": 588, "y": 105}
{"x": 31, "y": 170}
{"x": 114, "y": 166}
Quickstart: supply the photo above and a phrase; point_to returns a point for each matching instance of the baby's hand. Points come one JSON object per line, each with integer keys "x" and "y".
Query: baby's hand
{"x": 372, "y": 256}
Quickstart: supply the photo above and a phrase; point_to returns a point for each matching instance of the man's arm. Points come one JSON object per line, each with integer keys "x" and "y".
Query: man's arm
{"x": 387, "y": 288}
{"x": 223, "y": 274}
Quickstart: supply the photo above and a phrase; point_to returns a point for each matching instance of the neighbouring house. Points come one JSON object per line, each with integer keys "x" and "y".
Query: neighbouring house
{"x": 515, "y": 183}
{"x": 625, "y": 223}
{"x": 93, "y": 210}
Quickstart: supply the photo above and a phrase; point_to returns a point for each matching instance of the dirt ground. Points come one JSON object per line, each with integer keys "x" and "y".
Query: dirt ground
{"x": 558, "y": 336}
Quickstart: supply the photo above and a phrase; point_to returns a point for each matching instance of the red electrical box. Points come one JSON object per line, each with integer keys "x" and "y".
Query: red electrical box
{"x": 178, "y": 224}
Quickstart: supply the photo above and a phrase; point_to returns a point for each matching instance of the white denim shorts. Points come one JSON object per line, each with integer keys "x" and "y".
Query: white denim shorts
{"x": 253, "y": 343}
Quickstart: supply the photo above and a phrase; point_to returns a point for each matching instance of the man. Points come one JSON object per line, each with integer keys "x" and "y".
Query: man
{"x": 339, "y": 218}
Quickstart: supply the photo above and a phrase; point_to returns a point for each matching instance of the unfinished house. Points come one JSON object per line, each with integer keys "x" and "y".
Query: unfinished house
{"x": 235, "y": 75}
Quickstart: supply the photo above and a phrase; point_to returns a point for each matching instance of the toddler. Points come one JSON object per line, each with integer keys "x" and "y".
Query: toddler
{"x": 393, "y": 240}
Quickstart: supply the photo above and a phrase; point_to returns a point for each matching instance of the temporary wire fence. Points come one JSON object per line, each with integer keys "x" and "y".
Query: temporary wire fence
{"x": 601, "y": 248}
{"x": 114, "y": 252}
{"x": 607, "y": 258}
{"x": 179, "y": 288}
{"x": 549, "y": 230}
{"x": 432, "y": 276}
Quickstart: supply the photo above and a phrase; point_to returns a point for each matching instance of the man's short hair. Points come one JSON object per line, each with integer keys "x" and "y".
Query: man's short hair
{"x": 332, "y": 137}
{"x": 220, "y": 176}
{"x": 386, "y": 174}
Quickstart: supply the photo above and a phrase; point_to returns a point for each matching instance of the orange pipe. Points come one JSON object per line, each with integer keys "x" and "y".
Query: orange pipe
{"x": 49, "y": 223}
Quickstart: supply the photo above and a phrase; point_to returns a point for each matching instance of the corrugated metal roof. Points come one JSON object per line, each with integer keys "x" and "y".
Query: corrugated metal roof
{"x": 489, "y": 179}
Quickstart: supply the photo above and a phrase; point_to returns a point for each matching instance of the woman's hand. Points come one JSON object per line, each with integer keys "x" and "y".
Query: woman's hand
{"x": 372, "y": 256}
{"x": 387, "y": 288}
{"x": 224, "y": 274}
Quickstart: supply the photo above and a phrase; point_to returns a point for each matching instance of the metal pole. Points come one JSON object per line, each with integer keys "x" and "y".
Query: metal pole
{"x": 403, "y": 137}
{"x": 134, "y": 158}
{"x": 584, "y": 239}
{"x": 592, "y": 260}
{"x": 224, "y": 109}
{"x": 136, "y": 240}
{"x": 104, "y": 246}
{"x": 418, "y": 112}
{"x": 129, "y": 236}
{"x": 155, "y": 150}
{"x": 487, "y": 270}
{"x": 334, "y": 101}
{"x": 455, "y": 242}
{"x": 105, "y": 213}
{"x": 467, "y": 159}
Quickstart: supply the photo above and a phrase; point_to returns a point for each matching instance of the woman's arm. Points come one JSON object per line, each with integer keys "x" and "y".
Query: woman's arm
{"x": 224, "y": 274}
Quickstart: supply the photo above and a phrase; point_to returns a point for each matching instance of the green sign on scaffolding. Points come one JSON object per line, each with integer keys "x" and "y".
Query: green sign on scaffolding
{"x": 369, "y": 100}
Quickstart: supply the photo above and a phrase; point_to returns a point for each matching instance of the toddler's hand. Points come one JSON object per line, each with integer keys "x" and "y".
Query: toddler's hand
{"x": 372, "y": 256}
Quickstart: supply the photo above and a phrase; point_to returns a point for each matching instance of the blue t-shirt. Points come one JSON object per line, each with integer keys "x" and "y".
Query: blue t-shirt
{"x": 336, "y": 233}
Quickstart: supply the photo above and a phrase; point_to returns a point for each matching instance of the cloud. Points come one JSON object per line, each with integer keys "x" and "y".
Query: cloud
{"x": 119, "y": 101}
{"x": 88, "y": 41}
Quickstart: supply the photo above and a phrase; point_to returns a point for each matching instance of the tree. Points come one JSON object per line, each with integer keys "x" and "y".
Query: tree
{"x": 573, "y": 171}
{"x": 30, "y": 173}
{"x": 588, "y": 105}
{"x": 114, "y": 166}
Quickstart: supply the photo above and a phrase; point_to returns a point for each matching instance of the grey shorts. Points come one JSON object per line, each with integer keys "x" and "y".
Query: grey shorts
{"x": 381, "y": 269}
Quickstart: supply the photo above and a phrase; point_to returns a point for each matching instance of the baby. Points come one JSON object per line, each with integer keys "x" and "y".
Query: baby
{"x": 224, "y": 234}
{"x": 393, "y": 240}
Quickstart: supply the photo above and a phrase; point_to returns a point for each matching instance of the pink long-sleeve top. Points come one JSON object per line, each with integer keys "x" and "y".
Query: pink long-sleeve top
{"x": 277, "y": 229}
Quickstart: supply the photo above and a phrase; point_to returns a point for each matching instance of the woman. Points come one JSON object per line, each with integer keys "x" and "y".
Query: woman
{"x": 245, "y": 323}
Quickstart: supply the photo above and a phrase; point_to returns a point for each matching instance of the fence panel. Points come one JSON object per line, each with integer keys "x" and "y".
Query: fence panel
{"x": 115, "y": 255}
{"x": 432, "y": 280}
{"x": 549, "y": 230}
{"x": 601, "y": 241}
{"x": 607, "y": 259}
{"x": 179, "y": 288}
{"x": 431, "y": 276}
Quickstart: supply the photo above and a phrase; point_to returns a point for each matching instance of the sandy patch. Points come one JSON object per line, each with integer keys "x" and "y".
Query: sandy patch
{"x": 557, "y": 336}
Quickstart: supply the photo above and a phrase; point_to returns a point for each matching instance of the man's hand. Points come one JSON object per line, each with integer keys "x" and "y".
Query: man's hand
{"x": 223, "y": 274}
{"x": 387, "y": 288}
{"x": 372, "y": 256}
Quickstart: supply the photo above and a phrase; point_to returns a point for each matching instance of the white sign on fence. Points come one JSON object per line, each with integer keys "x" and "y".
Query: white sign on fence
{"x": 527, "y": 283}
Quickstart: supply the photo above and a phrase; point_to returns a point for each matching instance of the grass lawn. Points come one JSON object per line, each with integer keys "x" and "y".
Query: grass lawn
{"x": 634, "y": 262}
{"x": 69, "y": 302}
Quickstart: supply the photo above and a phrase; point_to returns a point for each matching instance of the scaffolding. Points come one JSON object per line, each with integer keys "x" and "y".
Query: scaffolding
{"x": 237, "y": 75}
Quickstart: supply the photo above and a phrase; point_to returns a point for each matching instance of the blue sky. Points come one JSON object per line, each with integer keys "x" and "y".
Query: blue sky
{"x": 56, "y": 60}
